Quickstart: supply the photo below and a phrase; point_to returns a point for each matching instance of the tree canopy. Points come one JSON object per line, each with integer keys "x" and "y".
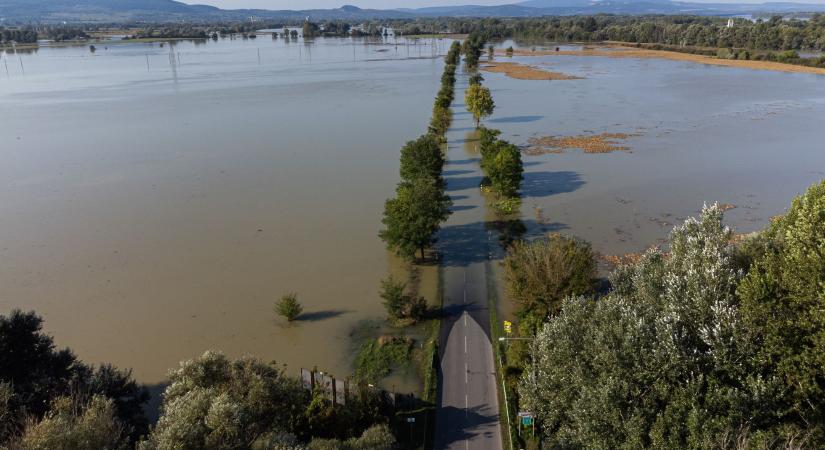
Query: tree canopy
{"x": 479, "y": 102}
{"x": 412, "y": 218}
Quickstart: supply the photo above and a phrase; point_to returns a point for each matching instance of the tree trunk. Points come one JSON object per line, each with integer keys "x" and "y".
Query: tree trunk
{"x": 422, "y": 254}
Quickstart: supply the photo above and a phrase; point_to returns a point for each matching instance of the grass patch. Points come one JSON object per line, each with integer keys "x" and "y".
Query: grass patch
{"x": 377, "y": 358}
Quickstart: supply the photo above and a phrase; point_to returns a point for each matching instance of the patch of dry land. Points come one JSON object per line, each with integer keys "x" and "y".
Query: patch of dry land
{"x": 633, "y": 52}
{"x": 523, "y": 72}
{"x": 595, "y": 143}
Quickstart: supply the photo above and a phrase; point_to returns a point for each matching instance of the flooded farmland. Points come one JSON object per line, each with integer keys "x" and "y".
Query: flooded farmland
{"x": 157, "y": 200}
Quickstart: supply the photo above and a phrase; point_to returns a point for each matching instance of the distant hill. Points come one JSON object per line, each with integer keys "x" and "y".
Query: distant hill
{"x": 110, "y": 11}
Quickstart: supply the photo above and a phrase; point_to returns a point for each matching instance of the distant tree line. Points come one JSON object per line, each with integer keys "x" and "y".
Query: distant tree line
{"x": 19, "y": 35}
{"x": 703, "y": 31}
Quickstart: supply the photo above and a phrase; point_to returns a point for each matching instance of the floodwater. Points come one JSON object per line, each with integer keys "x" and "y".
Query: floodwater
{"x": 156, "y": 201}
{"x": 152, "y": 213}
{"x": 704, "y": 133}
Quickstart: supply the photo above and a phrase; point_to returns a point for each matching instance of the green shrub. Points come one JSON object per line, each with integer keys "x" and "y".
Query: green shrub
{"x": 288, "y": 307}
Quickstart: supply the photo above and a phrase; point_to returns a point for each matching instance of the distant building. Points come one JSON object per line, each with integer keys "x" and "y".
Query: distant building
{"x": 730, "y": 23}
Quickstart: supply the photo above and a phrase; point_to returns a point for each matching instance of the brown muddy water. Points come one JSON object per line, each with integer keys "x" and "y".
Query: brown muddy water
{"x": 152, "y": 213}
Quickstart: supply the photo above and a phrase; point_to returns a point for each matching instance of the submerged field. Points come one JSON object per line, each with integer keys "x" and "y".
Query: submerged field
{"x": 158, "y": 200}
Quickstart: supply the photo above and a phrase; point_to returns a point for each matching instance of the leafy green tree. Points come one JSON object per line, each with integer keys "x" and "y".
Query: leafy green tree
{"x": 441, "y": 120}
{"x": 476, "y": 78}
{"x": 491, "y": 52}
{"x": 412, "y": 218}
{"x": 783, "y": 299}
{"x": 505, "y": 169}
{"x": 479, "y": 102}
{"x": 289, "y": 307}
{"x": 422, "y": 158}
{"x": 212, "y": 402}
{"x": 542, "y": 273}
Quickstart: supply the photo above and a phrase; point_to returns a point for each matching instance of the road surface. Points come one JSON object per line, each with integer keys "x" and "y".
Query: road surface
{"x": 467, "y": 416}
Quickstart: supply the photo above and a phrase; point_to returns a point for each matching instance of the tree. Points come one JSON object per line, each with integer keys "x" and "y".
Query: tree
{"x": 441, "y": 120}
{"x": 662, "y": 362}
{"x": 542, "y": 273}
{"x": 476, "y": 78}
{"x": 288, "y": 307}
{"x": 491, "y": 52}
{"x": 399, "y": 304}
{"x": 479, "y": 102}
{"x": 70, "y": 425}
{"x": 38, "y": 374}
{"x": 212, "y": 402}
{"x": 412, "y": 218}
{"x": 504, "y": 168}
{"x": 783, "y": 299}
{"x": 422, "y": 158}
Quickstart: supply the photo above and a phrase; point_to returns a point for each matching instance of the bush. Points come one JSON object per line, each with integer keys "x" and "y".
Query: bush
{"x": 542, "y": 273}
{"x": 401, "y": 305}
{"x": 288, "y": 307}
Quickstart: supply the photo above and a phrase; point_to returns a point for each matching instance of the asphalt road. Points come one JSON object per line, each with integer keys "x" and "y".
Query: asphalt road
{"x": 467, "y": 416}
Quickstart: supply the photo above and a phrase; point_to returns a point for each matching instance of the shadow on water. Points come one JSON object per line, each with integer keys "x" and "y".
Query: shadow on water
{"x": 316, "y": 316}
{"x": 453, "y": 162}
{"x": 462, "y": 183}
{"x": 516, "y": 119}
{"x": 452, "y": 173}
{"x": 456, "y": 208}
{"x": 463, "y": 245}
{"x": 545, "y": 184}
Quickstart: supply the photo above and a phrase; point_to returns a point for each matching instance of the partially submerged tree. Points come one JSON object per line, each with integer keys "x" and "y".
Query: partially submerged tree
{"x": 479, "y": 102}
{"x": 422, "y": 158}
{"x": 289, "y": 307}
{"x": 400, "y": 304}
{"x": 412, "y": 218}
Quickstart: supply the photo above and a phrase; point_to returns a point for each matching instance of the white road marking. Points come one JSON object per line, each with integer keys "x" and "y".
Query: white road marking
{"x": 465, "y": 344}
{"x": 465, "y": 319}
{"x": 466, "y": 373}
